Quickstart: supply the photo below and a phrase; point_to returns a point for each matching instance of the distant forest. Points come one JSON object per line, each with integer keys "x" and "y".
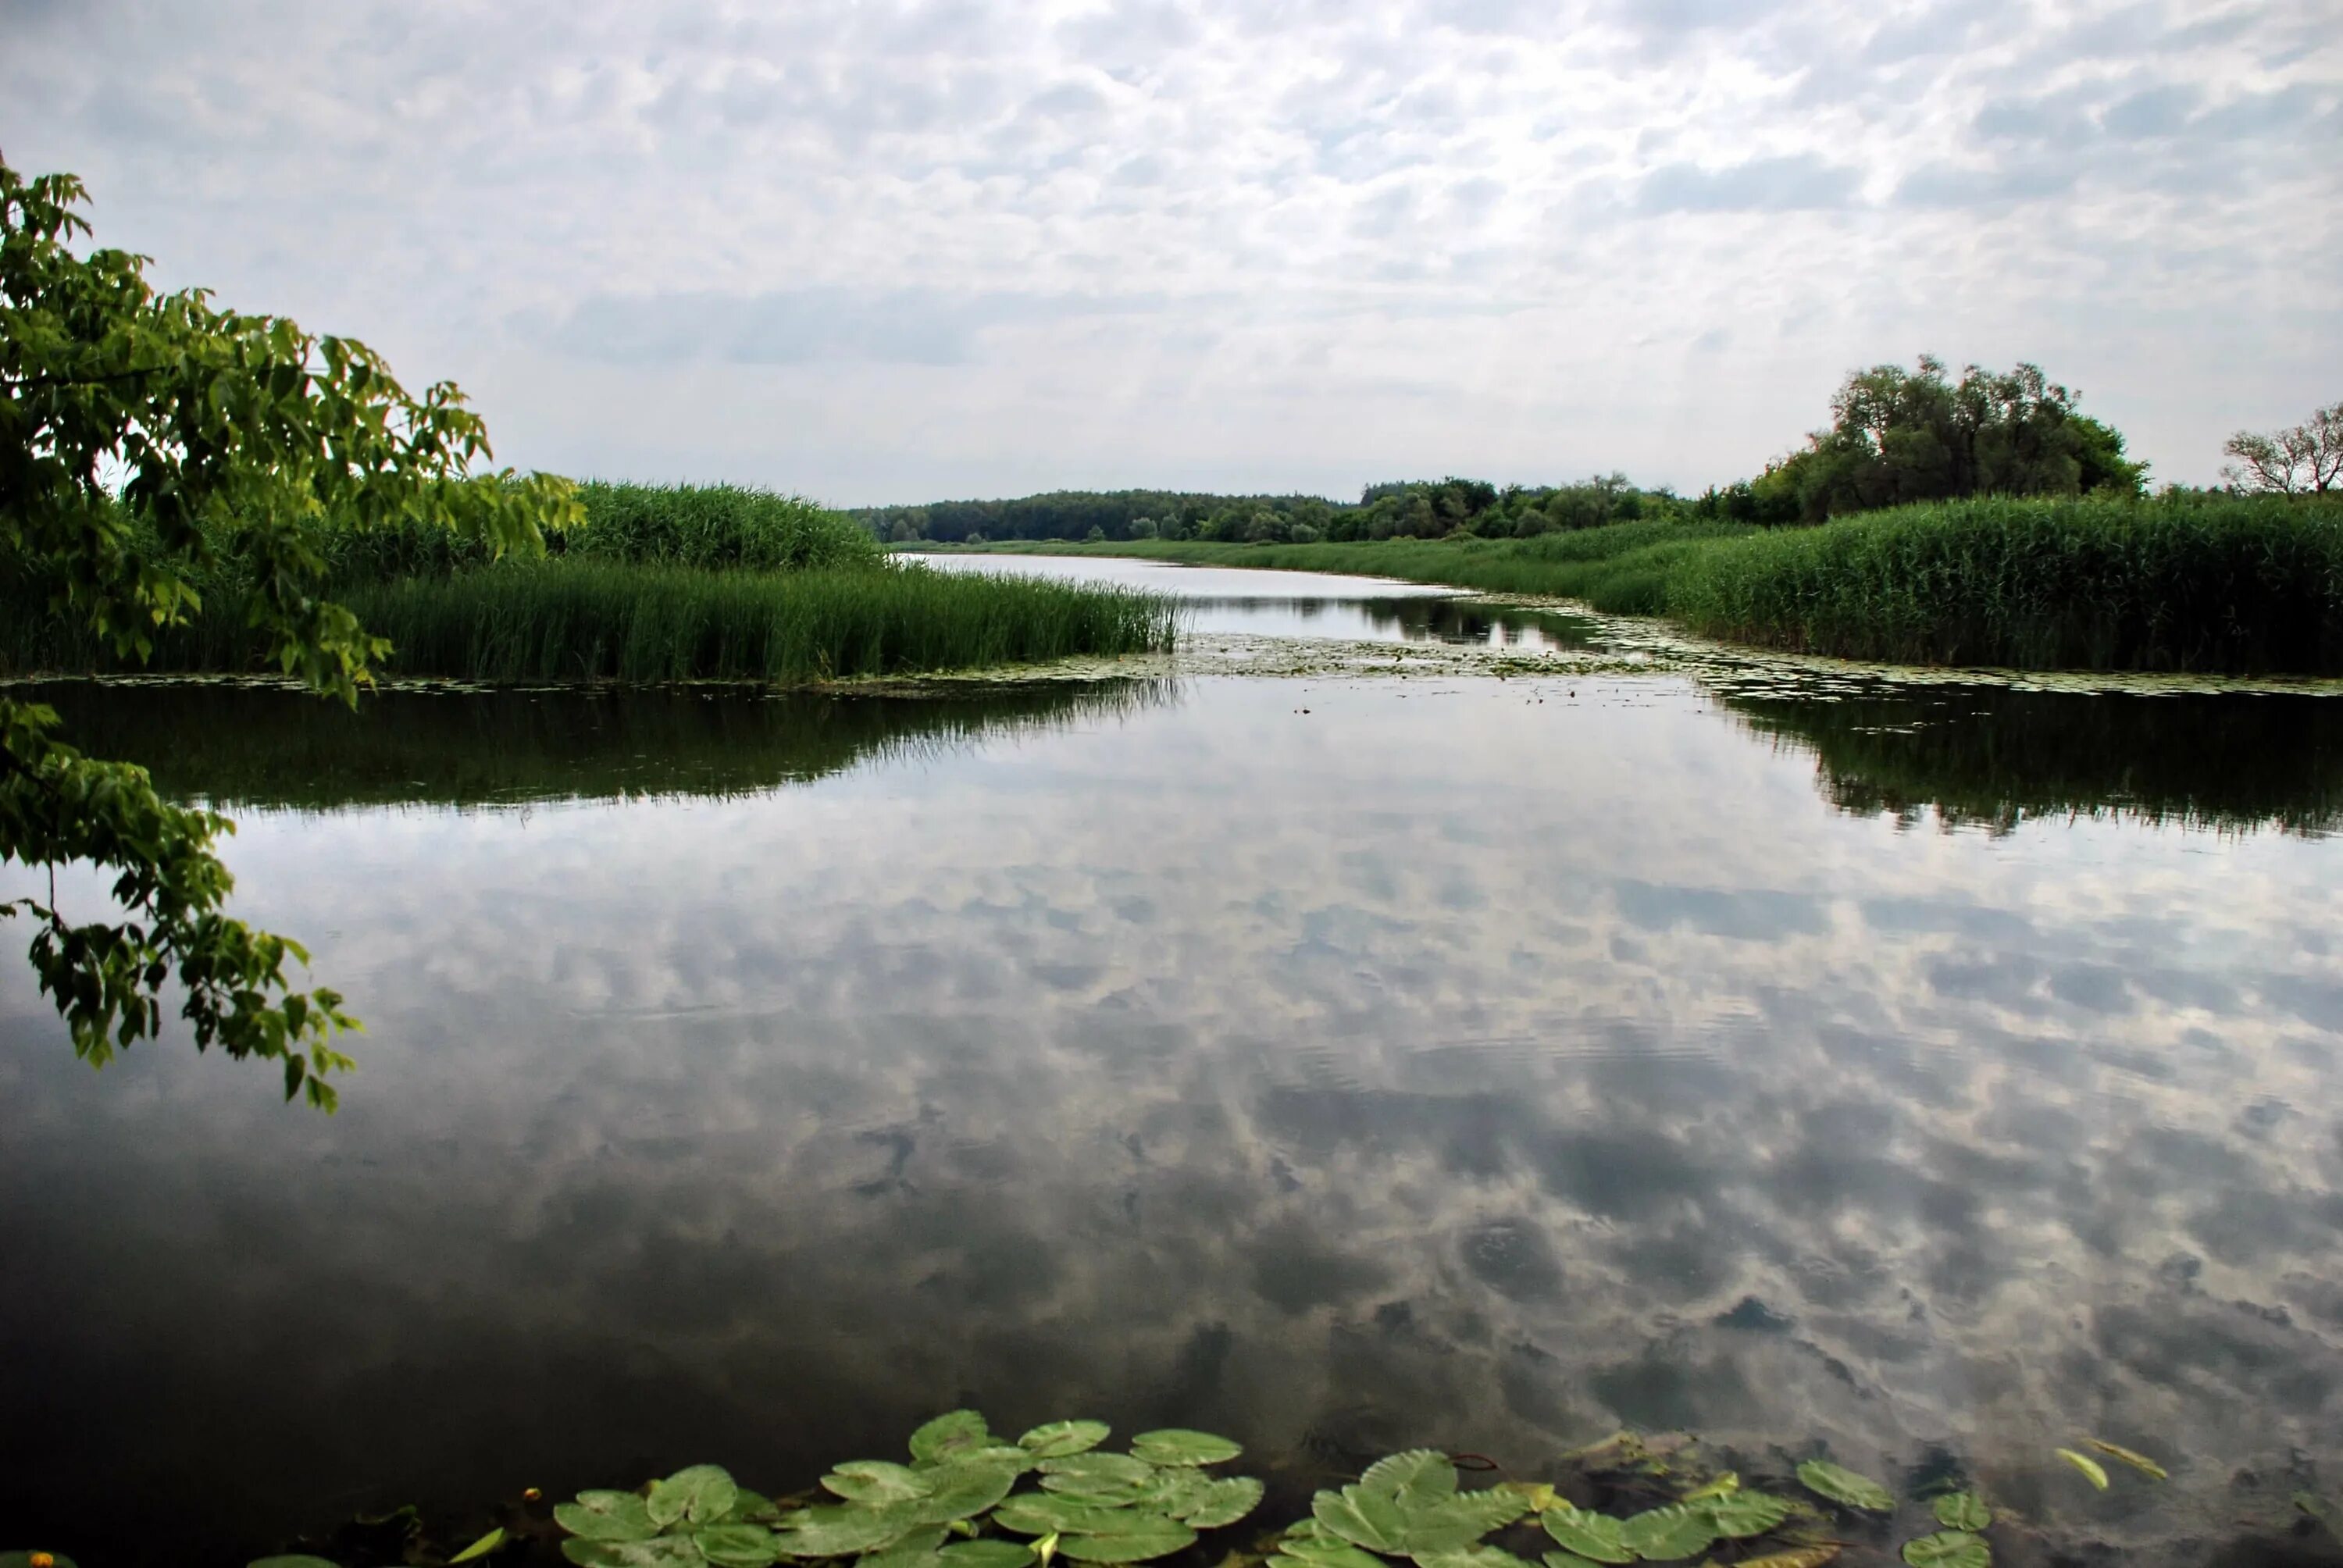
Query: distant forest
{"x": 1895, "y": 435}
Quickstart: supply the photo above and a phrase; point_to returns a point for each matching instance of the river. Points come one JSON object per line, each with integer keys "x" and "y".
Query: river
{"x": 1933, "y": 1074}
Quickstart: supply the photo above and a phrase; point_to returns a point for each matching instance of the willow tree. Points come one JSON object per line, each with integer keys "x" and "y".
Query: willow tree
{"x": 150, "y": 443}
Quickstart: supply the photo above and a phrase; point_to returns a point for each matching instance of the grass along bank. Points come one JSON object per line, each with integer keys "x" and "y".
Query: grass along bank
{"x": 658, "y": 584}
{"x": 586, "y": 621}
{"x": 2209, "y": 583}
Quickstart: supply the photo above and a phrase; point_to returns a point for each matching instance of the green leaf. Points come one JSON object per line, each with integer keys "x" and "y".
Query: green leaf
{"x": 1312, "y": 1548}
{"x": 960, "y": 1491}
{"x": 1059, "y": 1438}
{"x": 665, "y": 1551}
{"x": 2139, "y": 1462}
{"x": 1223, "y": 1502}
{"x": 1178, "y": 1445}
{"x": 751, "y": 1508}
{"x": 1963, "y": 1511}
{"x": 841, "y": 1532}
{"x": 917, "y": 1550}
{"x": 1740, "y": 1514}
{"x": 607, "y": 1516}
{"x": 1841, "y": 1485}
{"x": 482, "y": 1547}
{"x": 1948, "y": 1549}
{"x": 1363, "y": 1518}
{"x": 1664, "y": 1534}
{"x": 1587, "y": 1535}
{"x": 957, "y": 1429}
{"x": 1417, "y": 1478}
{"x": 2093, "y": 1471}
{"x": 1794, "y": 1557}
{"x": 1079, "y": 1471}
{"x": 991, "y": 1552}
{"x": 1149, "y": 1536}
{"x": 877, "y": 1482}
{"x": 699, "y": 1495}
{"x": 1725, "y": 1485}
{"x": 736, "y": 1545}
{"x": 1045, "y": 1513}
{"x": 1469, "y": 1557}
{"x": 1461, "y": 1520}
{"x": 299, "y": 1559}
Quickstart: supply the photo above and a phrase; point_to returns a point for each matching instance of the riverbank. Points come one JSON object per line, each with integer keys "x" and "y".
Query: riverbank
{"x": 2238, "y": 585}
{"x": 660, "y": 584}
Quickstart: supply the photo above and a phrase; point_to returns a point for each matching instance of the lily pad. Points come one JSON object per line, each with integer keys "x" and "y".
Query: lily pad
{"x": 751, "y": 1508}
{"x": 1060, "y": 1438}
{"x": 989, "y": 1553}
{"x": 1044, "y": 1513}
{"x": 841, "y": 1532}
{"x": 1569, "y": 1560}
{"x": 1223, "y": 1502}
{"x": 1948, "y": 1549}
{"x": 1594, "y": 1537}
{"x": 1963, "y": 1511}
{"x": 605, "y": 1516}
{"x": 702, "y": 1495}
{"x": 877, "y": 1482}
{"x": 959, "y": 1491}
{"x": 736, "y": 1545}
{"x": 1416, "y": 1478}
{"x": 1178, "y": 1445}
{"x": 1813, "y": 1556}
{"x": 1079, "y": 1472}
{"x": 300, "y": 1560}
{"x": 1469, "y": 1557}
{"x": 1841, "y": 1485}
{"x": 1740, "y": 1514}
{"x": 917, "y": 1550}
{"x": 1310, "y": 1547}
{"x": 1370, "y": 1519}
{"x": 665, "y": 1551}
{"x": 1669, "y": 1533}
{"x": 959, "y": 1429}
{"x": 1151, "y": 1536}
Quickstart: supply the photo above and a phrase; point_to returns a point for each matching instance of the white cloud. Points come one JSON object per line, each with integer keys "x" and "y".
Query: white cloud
{"x": 1369, "y": 239}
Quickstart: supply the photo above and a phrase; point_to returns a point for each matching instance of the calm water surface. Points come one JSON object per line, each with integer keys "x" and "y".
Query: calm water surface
{"x": 1940, "y": 1076}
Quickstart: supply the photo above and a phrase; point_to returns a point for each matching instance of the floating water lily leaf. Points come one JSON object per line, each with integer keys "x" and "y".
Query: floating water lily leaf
{"x": 1740, "y": 1514}
{"x": 1585, "y": 1534}
{"x": 958, "y": 1429}
{"x": 1178, "y": 1445}
{"x": 1363, "y": 1517}
{"x": 702, "y": 1495}
{"x": 23, "y": 1560}
{"x": 482, "y": 1547}
{"x": 2093, "y": 1470}
{"x": 1417, "y": 1478}
{"x": 1796, "y": 1557}
{"x": 1963, "y": 1511}
{"x": 1095, "y": 1470}
{"x": 1044, "y": 1513}
{"x": 1536, "y": 1497}
{"x": 736, "y": 1545}
{"x": 1175, "y": 1491}
{"x": 751, "y": 1508}
{"x": 1311, "y": 1547}
{"x": 876, "y": 1480}
{"x": 1148, "y": 1536}
{"x": 607, "y": 1516}
{"x": 841, "y": 1532}
{"x": 1569, "y": 1560}
{"x": 1469, "y": 1557}
{"x": 989, "y": 1553}
{"x": 1060, "y": 1438}
{"x": 2139, "y": 1462}
{"x": 959, "y": 1491}
{"x": 1841, "y": 1485}
{"x": 1725, "y": 1485}
{"x": 1223, "y": 1502}
{"x": 1948, "y": 1549}
{"x": 664, "y": 1551}
{"x": 1669, "y": 1533}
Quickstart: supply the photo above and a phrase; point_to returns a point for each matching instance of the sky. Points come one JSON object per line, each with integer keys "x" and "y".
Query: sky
{"x": 911, "y": 249}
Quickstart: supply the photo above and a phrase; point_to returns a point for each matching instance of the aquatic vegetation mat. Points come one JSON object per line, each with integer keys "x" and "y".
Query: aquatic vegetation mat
{"x": 963, "y": 1496}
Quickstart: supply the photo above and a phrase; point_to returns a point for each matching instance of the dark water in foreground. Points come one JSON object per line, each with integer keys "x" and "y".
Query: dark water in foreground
{"x": 1939, "y": 1076}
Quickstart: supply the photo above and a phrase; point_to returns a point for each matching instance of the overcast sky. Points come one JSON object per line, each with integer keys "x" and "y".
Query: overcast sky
{"x": 896, "y": 251}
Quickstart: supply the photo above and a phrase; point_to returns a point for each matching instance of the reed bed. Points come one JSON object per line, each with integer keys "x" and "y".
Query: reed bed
{"x": 586, "y": 621}
{"x": 2201, "y": 582}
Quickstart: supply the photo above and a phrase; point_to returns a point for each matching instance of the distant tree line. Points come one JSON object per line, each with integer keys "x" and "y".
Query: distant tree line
{"x": 1895, "y": 437}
